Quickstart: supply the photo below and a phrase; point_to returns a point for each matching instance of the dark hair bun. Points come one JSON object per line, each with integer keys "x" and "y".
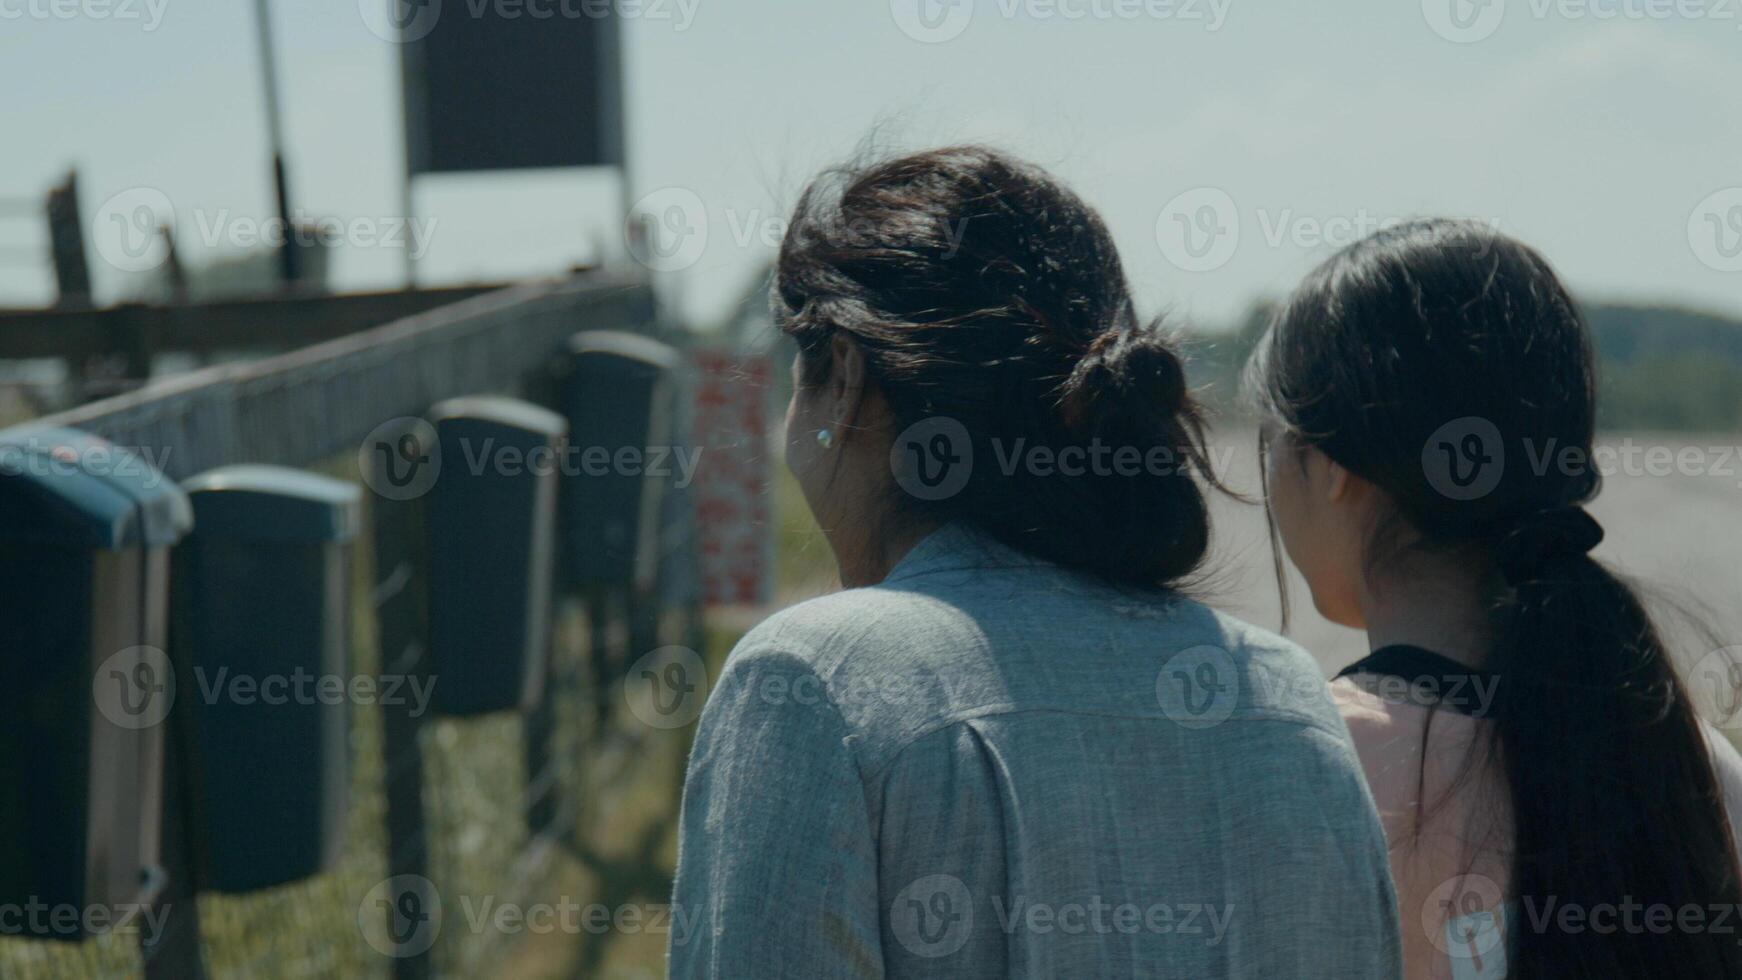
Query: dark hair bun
{"x": 1129, "y": 382}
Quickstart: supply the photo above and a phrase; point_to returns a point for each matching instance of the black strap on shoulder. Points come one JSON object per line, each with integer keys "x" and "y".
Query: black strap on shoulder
{"x": 1429, "y": 680}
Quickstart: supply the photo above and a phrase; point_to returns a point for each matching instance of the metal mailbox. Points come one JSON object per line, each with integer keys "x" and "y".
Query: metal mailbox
{"x": 261, "y": 632}
{"x": 615, "y": 391}
{"x": 85, "y": 684}
{"x": 490, "y": 521}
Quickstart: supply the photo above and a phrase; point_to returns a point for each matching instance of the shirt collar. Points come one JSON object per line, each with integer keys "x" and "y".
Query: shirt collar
{"x": 958, "y": 546}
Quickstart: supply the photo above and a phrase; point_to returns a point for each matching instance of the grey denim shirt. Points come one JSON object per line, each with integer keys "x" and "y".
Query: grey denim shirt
{"x": 989, "y": 766}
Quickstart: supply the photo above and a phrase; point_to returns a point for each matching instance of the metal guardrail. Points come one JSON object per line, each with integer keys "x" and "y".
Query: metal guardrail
{"x": 281, "y": 321}
{"x": 311, "y": 403}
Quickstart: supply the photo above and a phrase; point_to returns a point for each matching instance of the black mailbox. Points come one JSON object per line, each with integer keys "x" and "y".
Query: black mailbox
{"x": 261, "y": 638}
{"x": 615, "y": 391}
{"x": 490, "y": 521}
{"x": 84, "y": 683}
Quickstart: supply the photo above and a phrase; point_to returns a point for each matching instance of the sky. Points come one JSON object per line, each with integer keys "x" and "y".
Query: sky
{"x": 1231, "y": 145}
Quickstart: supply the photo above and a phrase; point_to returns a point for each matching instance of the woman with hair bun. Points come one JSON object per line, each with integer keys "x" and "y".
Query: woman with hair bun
{"x": 1012, "y": 746}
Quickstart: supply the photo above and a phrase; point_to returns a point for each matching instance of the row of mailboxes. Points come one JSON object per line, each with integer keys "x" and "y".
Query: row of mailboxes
{"x": 222, "y": 605}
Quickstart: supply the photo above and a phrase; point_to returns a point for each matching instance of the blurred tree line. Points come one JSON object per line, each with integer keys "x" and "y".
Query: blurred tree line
{"x": 1660, "y": 368}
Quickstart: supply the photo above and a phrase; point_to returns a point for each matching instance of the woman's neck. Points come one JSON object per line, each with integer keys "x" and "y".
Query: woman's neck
{"x": 1439, "y": 603}
{"x": 867, "y": 551}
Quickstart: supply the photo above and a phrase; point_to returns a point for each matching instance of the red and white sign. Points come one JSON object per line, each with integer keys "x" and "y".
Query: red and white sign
{"x": 733, "y": 525}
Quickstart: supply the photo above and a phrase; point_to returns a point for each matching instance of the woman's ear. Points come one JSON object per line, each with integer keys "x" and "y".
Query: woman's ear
{"x": 1326, "y": 479}
{"x": 1339, "y": 482}
{"x": 846, "y": 382}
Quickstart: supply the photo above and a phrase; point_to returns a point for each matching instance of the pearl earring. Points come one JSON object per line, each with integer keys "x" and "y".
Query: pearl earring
{"x": 825, "y": 438}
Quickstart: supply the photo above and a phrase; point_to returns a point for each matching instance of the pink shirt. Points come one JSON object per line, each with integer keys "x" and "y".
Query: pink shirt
{"x": 1450, "y": 854}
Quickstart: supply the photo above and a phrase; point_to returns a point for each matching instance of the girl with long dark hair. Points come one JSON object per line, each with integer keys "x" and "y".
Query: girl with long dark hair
{"x": 1555, "y": 807}
{"x": 1012, "y": 747}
